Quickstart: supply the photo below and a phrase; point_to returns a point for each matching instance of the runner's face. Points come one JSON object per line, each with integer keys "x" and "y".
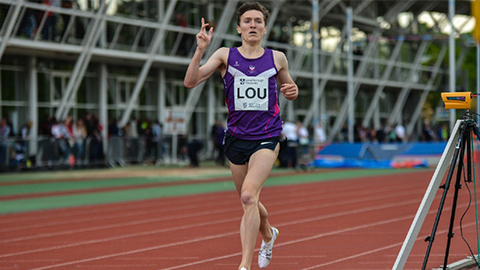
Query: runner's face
{"x": 252, "y": 25}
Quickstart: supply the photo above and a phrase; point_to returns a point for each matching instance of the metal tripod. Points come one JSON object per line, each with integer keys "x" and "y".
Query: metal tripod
{"x": 463, "y": 143}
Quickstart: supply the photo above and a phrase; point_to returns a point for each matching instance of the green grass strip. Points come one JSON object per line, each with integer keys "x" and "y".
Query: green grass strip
{"x": 35, "y": 204}
{"x": 83, "y": 185}
{"x": 107, "y": 172}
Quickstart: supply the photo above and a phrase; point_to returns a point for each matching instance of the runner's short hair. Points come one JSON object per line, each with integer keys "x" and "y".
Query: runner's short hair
{"x": 253, "y": 6}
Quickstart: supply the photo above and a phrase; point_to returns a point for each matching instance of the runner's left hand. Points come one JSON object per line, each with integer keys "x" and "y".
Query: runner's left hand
{"x": 289, "y": 91}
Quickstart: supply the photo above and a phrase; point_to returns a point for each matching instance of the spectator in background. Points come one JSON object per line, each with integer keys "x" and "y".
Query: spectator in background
{"x": 113, "y": 129}
{"x": 29, "y": 23}
{"x": 371, "y": 134}
{"x": 50, "y": 148}
{"x": 150, "y": 143}
{"x": 70, "y": 139}
{"x": 302, "y": 134}
{"x": 79, "y": 135}
{"x": 115, "y": 142}
{"x": 289, "y": 155}
{"x": 319, "y": 134}
{"x": 129, "y": 147}
{"x": 442, "y": 132}
{"x": 390, "y": 131}
{"x": 47, "y": 27}
{"x": 142, "y": 127}
{"x": 66, "y": 17}
{"x": 90, "y": 124}
{"x": 47, "y": 143}
{"x": 50, "y": 28}
{"x": 25, "y": 131}
{"x": 193, "y": 148}
{"x": 63, "y": 138}
{"x": 94, "y": 138}
{"x": 4, "y": 133}
{"x": 132, "y": 141}
{"x": 427, "y": 133}
{"x": 400, "y": 133}
{"x": 46, "y": 126}
{"x": 157, "y": 140}
{"x": 359, "y": 133}
{"x": 22, "y": 144}
{"x": 380, "y": 135}
{"x": 134, "y": 128}
{"x": 304, "y": 142}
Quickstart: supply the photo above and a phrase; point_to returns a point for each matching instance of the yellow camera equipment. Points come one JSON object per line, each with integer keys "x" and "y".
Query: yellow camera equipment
{"x": 457, "y": 100}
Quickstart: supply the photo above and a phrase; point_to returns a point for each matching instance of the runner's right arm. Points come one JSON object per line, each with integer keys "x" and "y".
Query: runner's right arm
{"x": 196, "y": 74}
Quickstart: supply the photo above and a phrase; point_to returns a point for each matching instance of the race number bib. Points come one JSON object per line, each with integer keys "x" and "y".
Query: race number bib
{"x": 251, "y": 93}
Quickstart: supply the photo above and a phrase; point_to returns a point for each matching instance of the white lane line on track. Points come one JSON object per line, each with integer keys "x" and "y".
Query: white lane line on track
{"x": 285, "y": 211}
{"x": 136, "y": 212}
{"x": 112, "y": 226}
{"x": 320, "y": 236}
{"x": 120, "y": 266}
{"x": 283, "y": 202}
{"x": 145, "y": 205}
{"x": 120, "y": 237}
{"x": 153, "y": 203}
{"x": 298, "y": 240}
{"x": 157, "y": 258}
{"x": 381, "y": 249}
{"x": 33, "y": 260}
{"x": 189, "y": 205}
{"x": 177, "y": 228}
{"x": 88, "y": 210}
{"x": 306, "y": 198}
{"x": 236, "y": 232}
{"x": 137, "y": 251}
{"x": 93, "y": 209}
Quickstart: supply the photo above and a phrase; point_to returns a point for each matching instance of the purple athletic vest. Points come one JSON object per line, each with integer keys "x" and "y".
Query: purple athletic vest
{"x": 251, "y": 95}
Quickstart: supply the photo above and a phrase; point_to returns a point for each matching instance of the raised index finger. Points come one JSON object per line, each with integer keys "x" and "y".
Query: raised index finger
{"x": 204, "y": 25}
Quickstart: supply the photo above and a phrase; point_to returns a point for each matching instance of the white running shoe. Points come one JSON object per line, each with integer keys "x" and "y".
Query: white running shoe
{"x": 243, "y": 268}
{"x": 265, "y": 254}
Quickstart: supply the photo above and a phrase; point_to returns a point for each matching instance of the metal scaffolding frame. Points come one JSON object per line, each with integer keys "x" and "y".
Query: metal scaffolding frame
{"x": 81, "y": 64}
{"x": 152, "y": 49}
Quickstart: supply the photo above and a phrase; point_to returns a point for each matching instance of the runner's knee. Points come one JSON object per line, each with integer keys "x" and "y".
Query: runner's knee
{"x": 248, "y": 198}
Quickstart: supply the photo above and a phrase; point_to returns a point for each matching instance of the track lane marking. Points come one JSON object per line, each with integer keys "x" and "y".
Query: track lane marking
{"x": 304, "y": 198}
{"x": 283, "y": 202}
{"x": 85, "y": 210}
{"x": 386, "y": 206}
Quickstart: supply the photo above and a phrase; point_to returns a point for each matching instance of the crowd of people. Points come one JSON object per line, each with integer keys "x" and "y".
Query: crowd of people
{"x": 394, "y": 133}
{"x": 70, "y": 141}
{"x": 79, "y": 141}
{"x": 300, "y": 137}
{"x": 299, "y": 140}
{"x": 75, "y": 142}
{"x": 53, "y": 28}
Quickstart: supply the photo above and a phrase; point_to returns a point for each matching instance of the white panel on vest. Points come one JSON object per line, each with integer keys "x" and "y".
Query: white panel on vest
{"x": 251, "y": 93}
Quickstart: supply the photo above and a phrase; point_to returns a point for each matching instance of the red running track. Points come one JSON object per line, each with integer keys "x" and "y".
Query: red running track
{"x": 348, "y": 224}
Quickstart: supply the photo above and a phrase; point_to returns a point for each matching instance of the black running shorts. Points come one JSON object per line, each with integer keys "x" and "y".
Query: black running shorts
{"x": 239, "y": 151}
